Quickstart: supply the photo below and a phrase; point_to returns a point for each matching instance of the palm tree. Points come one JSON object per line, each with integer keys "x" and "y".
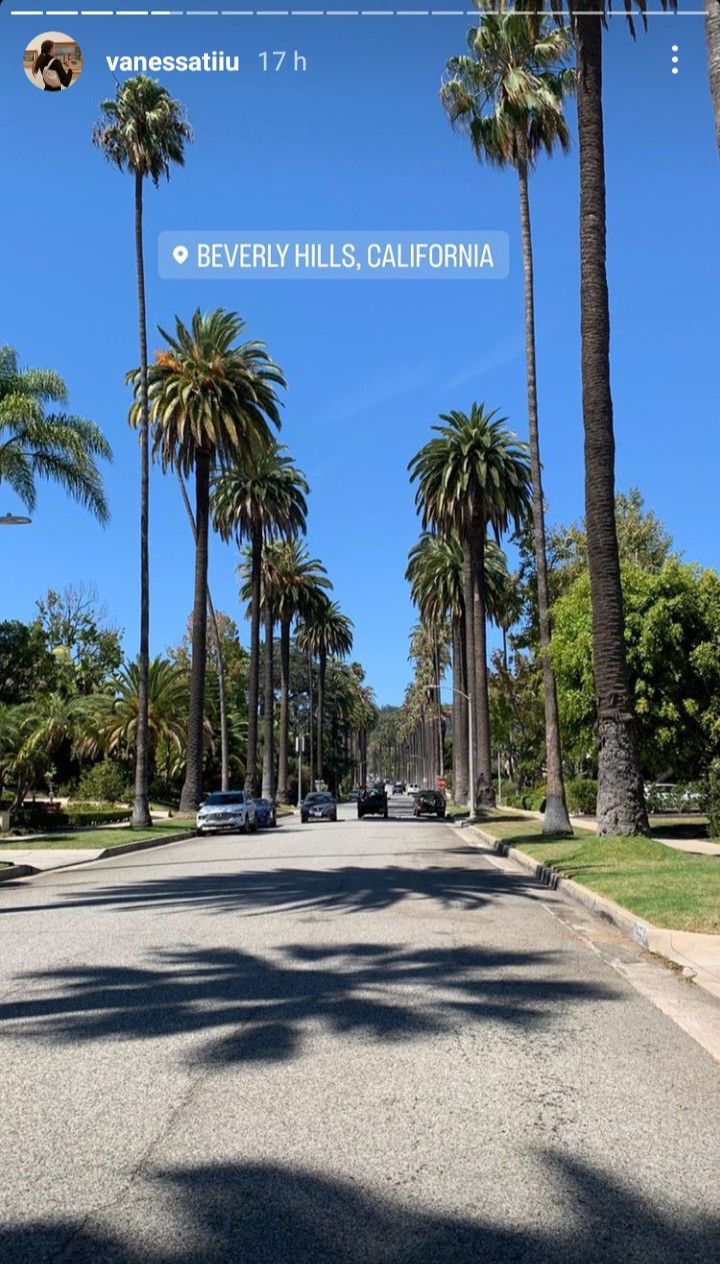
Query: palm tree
{"x": 167, "y": 709}
{"x": 55, "y": 446}
{"x": 324, "y": 630}
{"x": 475, "y": 475}
{"x": 259, "y": 498}
{"x": 298, "y": 579}
{"x": 143, "y": 131}
{"x": 210, "y": 402}
{"x": 435, "y": 574}
{"x": 507, "y": 95}
{"x": 219, "y": 656}
{"x": 712, "y": 42}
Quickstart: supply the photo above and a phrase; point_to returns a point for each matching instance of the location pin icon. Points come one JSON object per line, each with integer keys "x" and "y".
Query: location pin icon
{"x": 180, "y": 254}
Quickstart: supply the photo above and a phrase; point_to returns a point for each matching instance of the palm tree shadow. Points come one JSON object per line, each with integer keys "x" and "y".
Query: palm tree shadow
{"x": 236, "y": 1007}
{"x": 247, "y": 1213}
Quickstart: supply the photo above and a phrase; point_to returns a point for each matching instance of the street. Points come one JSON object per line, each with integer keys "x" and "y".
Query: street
{"x": 362, "y": 1043}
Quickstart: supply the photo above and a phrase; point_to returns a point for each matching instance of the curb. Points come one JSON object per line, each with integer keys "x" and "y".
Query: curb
{"x": 29, "y": 871}
{"x": 640, "y": 931}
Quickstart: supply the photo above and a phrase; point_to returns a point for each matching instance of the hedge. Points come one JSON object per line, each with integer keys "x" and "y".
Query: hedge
{"x": 39, "y": 820}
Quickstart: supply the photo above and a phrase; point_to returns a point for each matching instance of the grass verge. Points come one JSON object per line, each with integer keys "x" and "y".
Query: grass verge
{"x": 107, "y": 837}
{"x": 670, "y": 888}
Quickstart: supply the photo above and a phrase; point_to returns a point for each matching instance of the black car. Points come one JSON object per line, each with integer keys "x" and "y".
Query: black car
{"x": 373, "y": 802}
{"x": 318, "y": 805}
{"x": 429, "y": 803}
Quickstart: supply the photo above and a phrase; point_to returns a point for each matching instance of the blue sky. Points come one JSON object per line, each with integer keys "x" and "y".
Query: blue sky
{"x": 359, "y": 141}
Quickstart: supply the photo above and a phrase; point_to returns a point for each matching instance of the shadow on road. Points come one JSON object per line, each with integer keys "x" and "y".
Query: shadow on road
{"x": 233, "y": 1214}
{"x": 256, "y": 1008}
{"x": 348, "y": 889}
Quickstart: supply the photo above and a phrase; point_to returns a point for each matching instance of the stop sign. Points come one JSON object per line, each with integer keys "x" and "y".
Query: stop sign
{"x": 441, "y": 783}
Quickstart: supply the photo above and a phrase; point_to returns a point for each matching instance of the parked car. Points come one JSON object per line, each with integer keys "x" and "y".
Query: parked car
{"x": 227, "y": 810}
{"x": 354, "y": 795}
{"x": 318, "y": 805}
{"x": 399, "y": 787}
{"x": 373, "y": 801}
{"x": 429, "y": 803}
{"x": 413, "y": 788}
{"x": 265, "y": 813}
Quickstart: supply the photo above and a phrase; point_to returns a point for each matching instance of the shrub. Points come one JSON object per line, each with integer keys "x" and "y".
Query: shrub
{"x": 104, "y": 782}
{"x": 581, "y": 795}
{"x": 38, "y": 820}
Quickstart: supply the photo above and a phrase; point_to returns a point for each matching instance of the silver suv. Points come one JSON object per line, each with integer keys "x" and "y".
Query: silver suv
{"x": 227, "y": 810}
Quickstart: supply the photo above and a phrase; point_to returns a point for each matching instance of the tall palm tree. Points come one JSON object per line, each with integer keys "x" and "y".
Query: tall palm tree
{"x": 474, "y": 475}
{"x": 142, "y": 130}
{"x": 435, "y": 574}
{"x": 211, "y": 398}
{"x": 712, "y": 42}
{"x": 298, "y": 579}
{"x": 324, "y": 630}
{"x": 55, "y": 446}
{"x": 507, "y": 96}
{"x": 259, "y": 498}
{"x": 219, "y": 656}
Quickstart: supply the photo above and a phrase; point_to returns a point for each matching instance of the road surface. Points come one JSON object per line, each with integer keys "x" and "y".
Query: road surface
{"x": 361, "y": 1043}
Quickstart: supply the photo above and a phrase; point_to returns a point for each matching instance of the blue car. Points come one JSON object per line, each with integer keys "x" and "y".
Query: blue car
{"x": 265, "y": 813}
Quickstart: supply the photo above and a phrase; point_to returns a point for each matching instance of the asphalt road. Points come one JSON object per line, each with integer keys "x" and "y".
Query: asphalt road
{"x": 361, "y": 1043}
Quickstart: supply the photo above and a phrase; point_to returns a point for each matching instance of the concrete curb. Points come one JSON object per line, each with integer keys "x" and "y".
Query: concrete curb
{"x": 640, "y": 931}
{"x": 145, "y": 844}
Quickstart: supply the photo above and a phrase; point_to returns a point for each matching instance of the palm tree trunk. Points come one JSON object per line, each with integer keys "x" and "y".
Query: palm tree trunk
{"x": 284, "y": 732}
{"x": 485, "y": 791}
{"x": 311, "y": 718}
{"x": 222, "y": 686}
{"x": 556, "y": 819}
{"x": 268, "y": 774}
{"x": 193, "y": 785}
{"x": 620, "y": 802}
{"x": 254, "y": 665}
{"x": 461, "y": 779}
{"x": 141, "y": 806}
{"x": 468, "y": 587}
{"x": 322, "y": 664}
{"x": 712, "y": 42}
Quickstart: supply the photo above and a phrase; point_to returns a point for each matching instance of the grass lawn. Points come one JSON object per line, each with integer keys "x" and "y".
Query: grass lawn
{"x": 669, "y": 888}
{"x": 106, "y": 837}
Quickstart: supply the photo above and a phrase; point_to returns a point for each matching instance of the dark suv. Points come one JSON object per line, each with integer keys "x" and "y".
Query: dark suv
{"x": 373, "y": 802}
{"x": 429, "y": 803}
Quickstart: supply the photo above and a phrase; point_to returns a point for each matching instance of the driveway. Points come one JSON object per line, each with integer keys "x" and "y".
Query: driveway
{"x": 360, "y": 1043}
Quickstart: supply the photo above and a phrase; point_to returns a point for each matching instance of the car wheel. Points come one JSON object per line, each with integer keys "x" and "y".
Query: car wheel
{"x": 385, "y": 814}
{"x": 360, "y": 815}
{"x": 441, "y": 816}
{"x": 303, "y": 820}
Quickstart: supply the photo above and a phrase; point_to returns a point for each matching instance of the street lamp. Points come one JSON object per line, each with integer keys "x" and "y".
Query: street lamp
{"x": 14, "y": 520}
{"x": 471, "y": 754}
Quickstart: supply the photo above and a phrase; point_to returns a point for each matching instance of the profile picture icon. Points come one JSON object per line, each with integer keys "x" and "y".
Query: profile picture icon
{"x": 52, "y": 61}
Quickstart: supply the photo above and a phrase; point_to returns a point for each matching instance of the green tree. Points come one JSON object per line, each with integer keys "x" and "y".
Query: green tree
{"x": 435, "y": 574}
{"x": 475, "y": 475}
{"x": 26, "y": 663}
{"x": 142, "y": 130}
{"x": 211, "y": 399}
{"x": 507, "y": 96}
{"x": 295, "y": 580}
{"x": 324, "y": 630}
{"x": 75, "y": 627}
{"x": 672, "y": 635}
{"x": 261, "y": 497}
{"x": 38, "y": 444}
